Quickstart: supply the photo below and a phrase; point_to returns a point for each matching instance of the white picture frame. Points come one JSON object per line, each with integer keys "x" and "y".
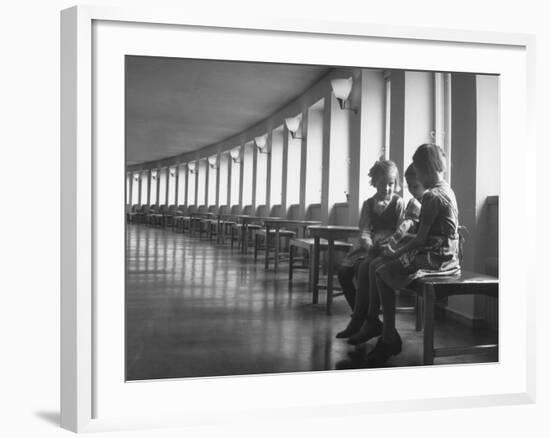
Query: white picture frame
{"x": 80, "y": 215}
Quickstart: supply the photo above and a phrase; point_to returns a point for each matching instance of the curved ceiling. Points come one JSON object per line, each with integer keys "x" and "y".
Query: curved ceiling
{"x": 174, "y": 106}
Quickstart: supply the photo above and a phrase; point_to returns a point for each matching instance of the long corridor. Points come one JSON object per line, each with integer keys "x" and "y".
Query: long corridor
{"x": 196, "y": 309}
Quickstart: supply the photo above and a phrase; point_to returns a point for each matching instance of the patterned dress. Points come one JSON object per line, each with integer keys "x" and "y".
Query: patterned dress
{"x": 440, "y": 254}
{"x": 408, "y": 226}
{"x": 377, "y": 222}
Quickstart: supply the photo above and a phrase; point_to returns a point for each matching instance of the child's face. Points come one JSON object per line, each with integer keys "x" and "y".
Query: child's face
{"x": 415, "y": 188}
{"x": 385, "y": 186}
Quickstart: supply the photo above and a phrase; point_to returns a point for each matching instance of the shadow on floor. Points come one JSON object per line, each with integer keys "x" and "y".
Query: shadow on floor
{"x": 51, "y": 417}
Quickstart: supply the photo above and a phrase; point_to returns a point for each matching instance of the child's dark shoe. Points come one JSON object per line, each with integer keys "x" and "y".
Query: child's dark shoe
{"x": 383, "y": 351}
{"x": 369, "y": 330}
{"x": 353, "y": 327}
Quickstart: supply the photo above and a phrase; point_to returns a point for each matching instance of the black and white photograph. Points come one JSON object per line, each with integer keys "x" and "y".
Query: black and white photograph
{"x": 295, "y": 218}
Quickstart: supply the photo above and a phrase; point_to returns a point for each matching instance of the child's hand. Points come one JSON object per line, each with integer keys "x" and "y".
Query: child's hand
{"x": 388, "y": 252}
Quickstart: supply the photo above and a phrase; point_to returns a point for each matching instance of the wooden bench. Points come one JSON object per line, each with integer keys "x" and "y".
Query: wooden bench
{"x": 306, "y": 244}
{"x": 432, "y": 289}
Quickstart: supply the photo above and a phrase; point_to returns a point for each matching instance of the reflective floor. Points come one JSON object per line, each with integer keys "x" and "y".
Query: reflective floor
{"x": 195, "y": 309}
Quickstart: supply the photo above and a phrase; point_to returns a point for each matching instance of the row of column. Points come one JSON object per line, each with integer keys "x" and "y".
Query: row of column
{"x": 392, "y": 113}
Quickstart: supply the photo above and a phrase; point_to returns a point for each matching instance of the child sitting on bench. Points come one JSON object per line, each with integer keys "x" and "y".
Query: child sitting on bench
{"x": 380, "y": 216}
{"x": 366, "y": 272}
{"x": 434, "y": 250}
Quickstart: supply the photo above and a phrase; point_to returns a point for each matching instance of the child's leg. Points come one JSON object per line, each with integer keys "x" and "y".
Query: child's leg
{"x": 362, "y": 296}
{"x": 345, "y": 276}
{"x": 361, "y": 299}
{"x": 387, "y": 297}
{"x": 374, "y": 295}
{"x": 367, "y": 304}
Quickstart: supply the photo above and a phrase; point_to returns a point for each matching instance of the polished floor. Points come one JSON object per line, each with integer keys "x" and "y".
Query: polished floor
{"x": 195, "y": 309}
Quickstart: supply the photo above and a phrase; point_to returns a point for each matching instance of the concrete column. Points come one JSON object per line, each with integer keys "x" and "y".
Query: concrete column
{"x": 207, "y": 183}
{"x": 218, "y": 176}
{"x": 268, "y": 176}
{"x": 177, "y": 184}
{"x": 167, "y": 191}
{"x": 303, "y": 166}
{"x": 254, "y": 173}
{"x": 229, "y": 170}
{"x": 487, "y": 182}
{"x": 139, "y": 188}
{"x": 284, "y": 177}
{"x": 464, "y": 139}
{"x": 158, "y": 185}
{"x": 130, "y": 176}
{"x": 149, "y": 187}
{"x": 196, "y": 176}
{"x": 241, "y": 174}
{"x": 397, "y": 117}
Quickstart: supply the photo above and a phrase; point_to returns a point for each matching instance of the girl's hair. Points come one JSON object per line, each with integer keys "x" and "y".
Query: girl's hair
{"x": 410, "y": 173}
{"x": 429, "y": 159}
{"x": 384, "y": 168}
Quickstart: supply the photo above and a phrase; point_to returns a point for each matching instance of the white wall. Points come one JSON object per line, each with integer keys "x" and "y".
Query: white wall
{"x": 30, "y": 95}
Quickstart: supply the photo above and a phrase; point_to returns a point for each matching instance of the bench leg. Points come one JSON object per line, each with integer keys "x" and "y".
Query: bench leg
{"x": 277, "y": 249}
{"x": 418, "y": 312}
{"x": 266, "y": 251}
{"x": 330, "y": 278}
{"x": 429, "y": 310}
{"x": 290, "y": 262}
{"x": 309, "y": 255}
{"x": 315, "y": 271}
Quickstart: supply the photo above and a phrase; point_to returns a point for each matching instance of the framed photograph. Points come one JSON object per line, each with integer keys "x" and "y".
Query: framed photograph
{"x": 260, "y": 217}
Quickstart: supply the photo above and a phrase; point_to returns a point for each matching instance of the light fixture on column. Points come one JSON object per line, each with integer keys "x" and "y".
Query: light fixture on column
{"x": 213, "y": 161}
{"x": 293, "y": 125}
{"x": 261, "y": 144}
{"x": 342, "y": 89}
{"x": 172, "y": 172}
{"x": 236, "y": 154}
{"x": 136, "y": 176}
{"x": 192, "y": 165}
{"x": 154, "y": 174}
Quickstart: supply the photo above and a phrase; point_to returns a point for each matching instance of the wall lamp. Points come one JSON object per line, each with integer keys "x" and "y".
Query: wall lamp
{"x": 213, "y": 161}
{"x": 172, "y": 172}
{"x": 342, "y": 89}
{"x": 136, "y": 176}
{"x": 154, "y": 174}
{"x": 293, "y": 125}
{"x": 261, "y": 144}
{"x": 236, "y": 154}
{"x": 192, "y": 166}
